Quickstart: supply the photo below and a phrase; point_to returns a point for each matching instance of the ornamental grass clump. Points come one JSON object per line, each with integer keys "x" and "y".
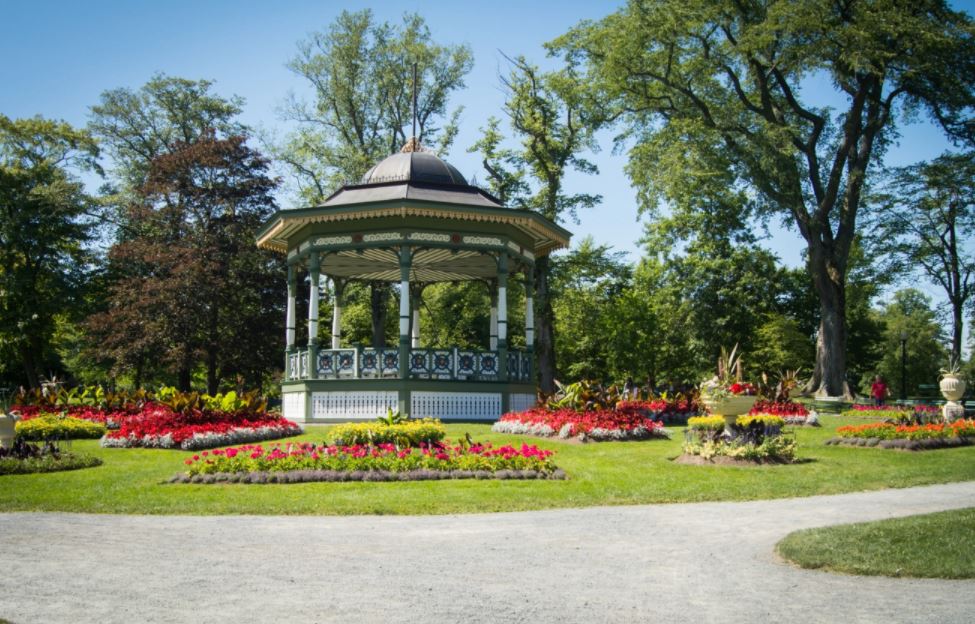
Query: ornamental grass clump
{"x": 403, "y": 434}
{"x": 295, "y": 462}
{"x": 58, "y": 427}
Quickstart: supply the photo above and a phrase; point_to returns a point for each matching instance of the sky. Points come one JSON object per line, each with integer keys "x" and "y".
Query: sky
{"x": 59, "y": 56}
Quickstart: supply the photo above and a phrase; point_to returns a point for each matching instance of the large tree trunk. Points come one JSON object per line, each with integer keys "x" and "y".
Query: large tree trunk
{"x": 957, "y": 327}
{"x": 379, "y": 298}
{"x": 544, "y": 327}
{"x": 829, "y": 374}
{"x": 213, "y": 381}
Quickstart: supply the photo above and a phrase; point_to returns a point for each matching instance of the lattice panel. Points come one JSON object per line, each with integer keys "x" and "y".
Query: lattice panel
{"x": 458, "y": 405}
{"x": 352, "y": 405}
{"x": 293, "y": 406}
{"x": 521, "y": 402}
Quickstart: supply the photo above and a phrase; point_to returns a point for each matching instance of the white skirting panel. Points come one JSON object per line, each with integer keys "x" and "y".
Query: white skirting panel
{"x": 521, "y": 402}
{"x": 293, "y": 406}
{"x": 352, "y": 405}
{"x": 460, "y": 405}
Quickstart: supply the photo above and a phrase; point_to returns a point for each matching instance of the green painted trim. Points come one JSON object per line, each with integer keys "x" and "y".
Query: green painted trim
{"x": 391, "y": 385}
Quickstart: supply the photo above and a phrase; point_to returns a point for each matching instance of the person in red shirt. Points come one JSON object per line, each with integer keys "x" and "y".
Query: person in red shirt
{"x": 879, "y": 390}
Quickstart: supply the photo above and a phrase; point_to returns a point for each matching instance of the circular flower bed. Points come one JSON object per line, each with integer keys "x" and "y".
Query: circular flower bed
{"x": 160, "y": 427}
{"x": 907, "y": 437}
{"x": 26, "y": 458}
{"x": 627, "y": 422}
{"x": 292, "y": 463}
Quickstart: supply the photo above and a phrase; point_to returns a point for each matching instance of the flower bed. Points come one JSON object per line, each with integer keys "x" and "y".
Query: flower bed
{"x": 919, "y": 414}
{"x": 910, "y": 437}
{"x": 56, "y": 427}
{"x": 26, "y": 458}
{"x": 411, "y": 433}
{"x": 111, "y": 419}
{"x": 754, "y": 439}
{"x": 292, "y": 463}
{"x": 669, "y": 411}
{"x": 791, "y": 412}
{"x": 160, "y": 427}
{"x": 626, "y": 422}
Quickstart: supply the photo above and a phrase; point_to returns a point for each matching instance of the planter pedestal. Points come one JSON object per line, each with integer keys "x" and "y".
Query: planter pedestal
{"x": 952, "y": 388}
{"x": 7, "y": 430}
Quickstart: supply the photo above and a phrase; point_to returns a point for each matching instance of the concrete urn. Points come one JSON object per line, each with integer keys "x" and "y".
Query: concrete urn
{"x": 729, "y": 407}
{"x": 952, "y": 386}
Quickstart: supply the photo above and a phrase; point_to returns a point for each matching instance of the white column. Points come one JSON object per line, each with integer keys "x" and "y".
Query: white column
{"x": 529, "y": 318}
{"x": 502, "y": 311}
{"x": 289, "y": 322}
{"x": 313, "y": 271}
{"x": 337, "y": 316}
{"x": 416, "y": 328}
{"x": 494, "y": 320}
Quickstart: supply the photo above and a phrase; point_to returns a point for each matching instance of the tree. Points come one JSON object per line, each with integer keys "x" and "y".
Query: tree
{"x": 708, "y": 89}
{"x": 136, "y": 127}
{"x": 43, "y": 234}
{"x": 361, "y": 73}
{"x": 546, "y": 113}
{"x": 928, "y": 223}
{"x": 910, "y": 316}
{"x": 191, "y": 284}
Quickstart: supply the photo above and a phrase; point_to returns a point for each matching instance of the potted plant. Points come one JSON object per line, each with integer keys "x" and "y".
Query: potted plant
{"x": 952, "y": 383}
{"x": 726, "y": 394}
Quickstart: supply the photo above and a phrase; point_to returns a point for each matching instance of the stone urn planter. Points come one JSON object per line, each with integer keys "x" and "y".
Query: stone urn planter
{"x": 730, "y": 407}
{"x": 952, "y": 388}
{"x": 7, "y": 430}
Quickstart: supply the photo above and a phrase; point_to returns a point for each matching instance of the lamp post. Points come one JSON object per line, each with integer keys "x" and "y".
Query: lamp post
{"x": 903, "y": 366}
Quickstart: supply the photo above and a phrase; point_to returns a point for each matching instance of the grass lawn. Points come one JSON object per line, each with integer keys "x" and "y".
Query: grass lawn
{"x": 930, "y": 546}
{"x": 606, "y": 473}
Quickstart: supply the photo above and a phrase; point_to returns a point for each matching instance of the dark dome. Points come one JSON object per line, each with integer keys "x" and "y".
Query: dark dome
{"x": 414, "y": 167}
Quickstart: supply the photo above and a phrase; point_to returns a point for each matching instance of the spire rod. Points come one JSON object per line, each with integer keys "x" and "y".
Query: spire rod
{"x": 414, "y": 100}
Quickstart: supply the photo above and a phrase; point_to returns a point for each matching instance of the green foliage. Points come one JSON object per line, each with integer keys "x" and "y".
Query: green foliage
{"x": 777, "y": 449}
{"x": 58, "y": 427}
{"x": 402, "y": 434}
{"x": 924, "y": 546}
{"x": 910, "y": 315}
{"x": 585, "y": 396}
{"x": 708, "y": 98}
{"x": 44, "y": 227}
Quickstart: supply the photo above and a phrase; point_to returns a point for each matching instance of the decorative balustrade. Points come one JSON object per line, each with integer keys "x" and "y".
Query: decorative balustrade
{"x": 443, "y": 364}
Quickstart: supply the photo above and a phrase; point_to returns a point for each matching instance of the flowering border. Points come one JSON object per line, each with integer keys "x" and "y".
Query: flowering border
{"x": 542, "y": 422}
{"x": 333, "y": 476}
{"x": 237, "y": 435}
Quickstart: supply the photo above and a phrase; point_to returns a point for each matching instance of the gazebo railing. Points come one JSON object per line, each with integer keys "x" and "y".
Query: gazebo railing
{"x": 444, "y": 364}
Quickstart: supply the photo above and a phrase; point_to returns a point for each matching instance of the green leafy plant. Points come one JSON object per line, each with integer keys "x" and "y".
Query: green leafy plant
{"x": 392, "y": 418}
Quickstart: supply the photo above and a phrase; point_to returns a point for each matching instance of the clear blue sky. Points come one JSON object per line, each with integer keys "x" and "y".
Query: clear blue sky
{"x": 57, "y": 57}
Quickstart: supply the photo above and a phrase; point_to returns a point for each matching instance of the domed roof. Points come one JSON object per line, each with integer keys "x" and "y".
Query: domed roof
{"x": 413, "y": 165}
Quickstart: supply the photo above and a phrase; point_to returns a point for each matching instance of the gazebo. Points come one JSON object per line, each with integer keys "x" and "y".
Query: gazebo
{"x": 412, "y": 219}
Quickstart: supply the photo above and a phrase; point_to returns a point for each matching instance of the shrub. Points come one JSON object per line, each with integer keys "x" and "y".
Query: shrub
{"x": 411, "y": 433}
{"x": 779, "y": 449}
{"x": 26, "y": 458}
{"x": 57, "y": 427}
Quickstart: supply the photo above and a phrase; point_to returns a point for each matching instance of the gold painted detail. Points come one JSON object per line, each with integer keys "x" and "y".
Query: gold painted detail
{"x": 483, "y": 240}
{"x": 430, "y": 237}
{"x": 333, "y": 240}
{"x": 382, "y": 237}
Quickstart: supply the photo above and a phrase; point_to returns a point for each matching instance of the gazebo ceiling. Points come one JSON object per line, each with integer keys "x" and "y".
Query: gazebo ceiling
{"x": 429, "y": 265}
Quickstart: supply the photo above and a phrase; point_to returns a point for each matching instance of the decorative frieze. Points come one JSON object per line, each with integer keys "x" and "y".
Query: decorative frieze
{"x": 382, "y": 237}
{"x": 333, "y": 240}
{"x": 429, "y": 237}
{"x": 483, "y": 240}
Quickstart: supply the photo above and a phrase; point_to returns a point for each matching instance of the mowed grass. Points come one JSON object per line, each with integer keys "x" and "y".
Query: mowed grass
{"x": 934, "y": 545}
{"x": 607, "y": 473}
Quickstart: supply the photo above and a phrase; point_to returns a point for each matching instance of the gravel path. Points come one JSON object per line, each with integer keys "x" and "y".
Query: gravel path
{"x": 709, "y": 562}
